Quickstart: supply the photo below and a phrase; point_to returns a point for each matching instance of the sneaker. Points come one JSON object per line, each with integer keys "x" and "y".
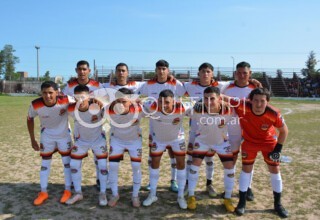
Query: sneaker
{"x": 103, "y": 199}
{"x": 42, "y": 196}
{"x": 185, "y": 192}
{"x": 136, "y": 202}
{"x": 174, "y": 186}
{"x": 66, "y": 195}
{"x": 75, "y": 198}
{"x": 281, "y": 211}
{"x": 228, "y": 205}
{"x": 250, "y": 196}
{"x": 192, "y": 203}
{"x": 113, "y": 201}
{"x": 98, "y": 184}
{"x": 212, "y": 193}
{"x": 148, "y": 187}
{"x": 151, "y": 199}
{"x": 182, "y": 202}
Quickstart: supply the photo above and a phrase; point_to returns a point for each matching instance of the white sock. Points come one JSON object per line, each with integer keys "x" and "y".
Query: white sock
{"x": 244, "y": 181}
{"x": 67, "y": 172}
{"x": 154, "y": 177}
{"x": 228, "y": 182}
{"x": 95, "y": 160}
{"x": 136, "y": 178}
{"x": 113, "y": 177}
{"x": 209, "y": 167}
{"x": 276, "y": 182}
{"x": 189, "y": 162}
{"x": 44, "y": 174}
{"x": 251, "y": 177}
{"x": 193, "y": 179}
{"x": 76, "y": 174}
{"x": 181, "y": 179}
{"x": 173, "y": 169}
{"x": 103, "y": 174}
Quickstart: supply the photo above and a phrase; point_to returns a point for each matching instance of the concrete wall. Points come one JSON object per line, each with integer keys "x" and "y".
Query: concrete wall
{"x": 32, "y": 87}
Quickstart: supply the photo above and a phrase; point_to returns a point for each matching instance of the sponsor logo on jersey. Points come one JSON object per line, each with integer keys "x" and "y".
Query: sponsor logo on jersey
{"x": 182, "y": 146}
{"x": 196, "y": 145}
{"x": 153, "y": 146}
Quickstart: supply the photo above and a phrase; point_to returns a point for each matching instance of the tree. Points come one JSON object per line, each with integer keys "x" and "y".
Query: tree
{"x": 46, "y": 76}
{"x": 311, "y": 63}
{"x": 7, "y": 62}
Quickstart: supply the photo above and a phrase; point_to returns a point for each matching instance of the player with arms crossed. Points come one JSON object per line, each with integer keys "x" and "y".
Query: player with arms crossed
{"x": 259, "y": 123}
{"x": 212, "y": 134}
{"x": 55, "y": 136}
{"x": 88, "y": 134}
{"x": 166, "y": 121}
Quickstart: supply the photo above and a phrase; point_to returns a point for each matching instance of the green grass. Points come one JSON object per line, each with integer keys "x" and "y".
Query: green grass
{"x": 19, "y": 175}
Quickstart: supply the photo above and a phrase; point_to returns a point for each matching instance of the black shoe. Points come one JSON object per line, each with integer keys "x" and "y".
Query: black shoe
{"x": 250, "y": 196}
{"x": 282, "y": 212}
{"x": 98, "y": 184}
{"x": 241, "y": 207}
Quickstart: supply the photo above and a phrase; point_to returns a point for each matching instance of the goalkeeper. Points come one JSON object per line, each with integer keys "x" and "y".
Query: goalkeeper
{"x": 259, "y": 122}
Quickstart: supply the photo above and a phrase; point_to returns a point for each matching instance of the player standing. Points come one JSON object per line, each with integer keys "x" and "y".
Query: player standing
{"x": 83, "y": 71}
{"x": 212, "y": 134}
{"x": 125, "y": 135}
{"x": 88, "y": 134}
{"x": 259, "y": 123}
{"x": 55, "y": 136}
{"x": 151, "y": 89}
{"x": 166, "y": 122}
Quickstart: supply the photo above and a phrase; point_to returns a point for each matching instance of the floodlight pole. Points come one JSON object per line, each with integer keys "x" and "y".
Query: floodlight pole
{"x": 37, "y": 48}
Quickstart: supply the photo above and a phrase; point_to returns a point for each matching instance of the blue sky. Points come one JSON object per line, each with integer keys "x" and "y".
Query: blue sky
{"x": 267, "y": 34}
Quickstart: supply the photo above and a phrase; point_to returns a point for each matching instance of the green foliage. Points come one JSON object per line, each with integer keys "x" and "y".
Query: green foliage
{"x": 7, "y": 62}
{"x": 310, "y": 70}
{"x": 46, "y": 76}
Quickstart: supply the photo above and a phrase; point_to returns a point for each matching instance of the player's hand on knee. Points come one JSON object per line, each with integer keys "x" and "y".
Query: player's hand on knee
{"x": 276, "y": 153}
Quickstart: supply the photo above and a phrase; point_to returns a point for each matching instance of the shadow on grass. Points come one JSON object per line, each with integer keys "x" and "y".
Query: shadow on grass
{"x": 17, "y": 202}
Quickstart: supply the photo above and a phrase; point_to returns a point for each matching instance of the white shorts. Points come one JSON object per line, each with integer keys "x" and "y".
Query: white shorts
{"x": 223, "y": 150}
{"x": 50, "y": 145}
{"x": 118, "y": 147}
{"x": 81, "y": 148}
{"x": 178, "y": 147}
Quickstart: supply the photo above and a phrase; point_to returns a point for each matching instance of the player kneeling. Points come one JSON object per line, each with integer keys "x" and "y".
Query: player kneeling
{"x": 125, "y": 135}
{"x": 212, "y": 135}
{"x": 88, "y": 134}
{"x": 55, "y": 136}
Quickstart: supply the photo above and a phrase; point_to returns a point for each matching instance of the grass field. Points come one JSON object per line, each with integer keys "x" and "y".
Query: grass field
{"x": 19, "y": 175}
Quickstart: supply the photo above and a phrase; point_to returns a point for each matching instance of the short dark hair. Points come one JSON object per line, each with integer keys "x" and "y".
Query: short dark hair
{"x": 123, "y": 92}
{"x": 260, "y": 91}
{"x": 48, "y": 84}
{"x": 81, "y": 88}
{"x": 212, "y": 89}
{"x": 122, "y": 64}
{"x": 162, "y": 63}
{"x": 243, "y": 64}
{"x": 206, "y": 65}
{"x": 83, "y": 62}
{"x": 166, "y": 93}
